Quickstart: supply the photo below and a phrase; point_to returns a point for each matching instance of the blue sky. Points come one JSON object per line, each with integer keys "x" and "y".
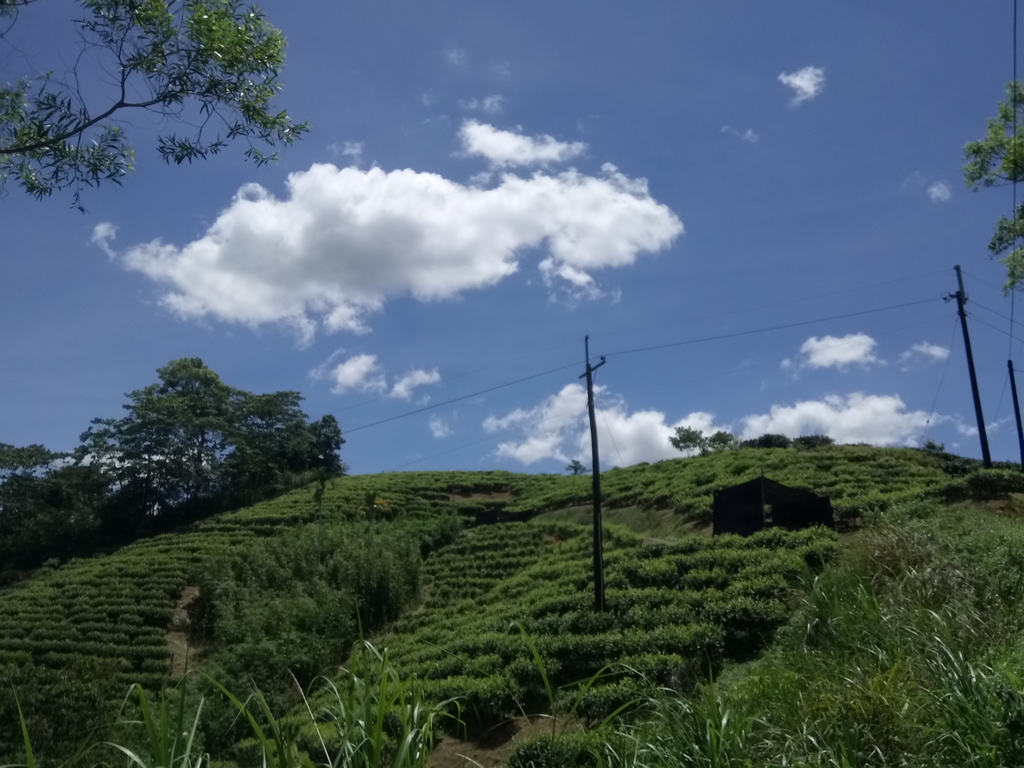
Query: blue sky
{"x": 486, "y": 183}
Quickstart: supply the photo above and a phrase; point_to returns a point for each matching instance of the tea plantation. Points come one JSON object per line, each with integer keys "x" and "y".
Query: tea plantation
{"x": 290, "y": 584}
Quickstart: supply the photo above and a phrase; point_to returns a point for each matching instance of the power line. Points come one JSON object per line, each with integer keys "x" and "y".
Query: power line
{"x": 942, "y": 378}
{"x": 631, "y": 351}
{"x": 775, "y": 304}
{"x": 997, "y": 314}
{"x": 694, "y": 380}
{"x": 459, "y": 399}
{"x": 447, "y": 379}
{"x": 982, "y": 281}
{"x": 766, "y": 330}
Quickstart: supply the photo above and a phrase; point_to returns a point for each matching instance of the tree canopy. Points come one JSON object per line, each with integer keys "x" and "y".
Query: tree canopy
{"x": 693, "y": 440}
{"x": 997, "y": 159}
{"x": 187, "y": 447}
{"x": 208, "y": 68}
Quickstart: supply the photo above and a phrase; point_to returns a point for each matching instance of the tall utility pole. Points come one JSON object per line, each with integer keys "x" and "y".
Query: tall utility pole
{"x": 1016, "y": 412}
{"x": 961, "y": 299}
{"x": 596, "y": 480}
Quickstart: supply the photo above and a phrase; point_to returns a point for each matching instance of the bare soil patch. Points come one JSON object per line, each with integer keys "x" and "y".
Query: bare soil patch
{"x": 492, "y": 748}
{"x": 184, "y": 657}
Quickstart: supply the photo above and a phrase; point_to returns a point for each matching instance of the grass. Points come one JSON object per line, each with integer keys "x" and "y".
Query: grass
{"x": 74, "y": 637}
{"x": 907, "y": 651}
{"x": 656, "y": 524}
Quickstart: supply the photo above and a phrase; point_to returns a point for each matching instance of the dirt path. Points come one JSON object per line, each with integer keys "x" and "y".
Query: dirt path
{"x": 183, "y": 658}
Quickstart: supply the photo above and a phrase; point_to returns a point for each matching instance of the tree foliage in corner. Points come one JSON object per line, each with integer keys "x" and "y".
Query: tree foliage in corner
{"x": 999, "y": 159}
{"x": 209, "y": 66}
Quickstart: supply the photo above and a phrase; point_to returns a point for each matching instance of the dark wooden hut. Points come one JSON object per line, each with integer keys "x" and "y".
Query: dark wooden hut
{"x": 762, "y": 503}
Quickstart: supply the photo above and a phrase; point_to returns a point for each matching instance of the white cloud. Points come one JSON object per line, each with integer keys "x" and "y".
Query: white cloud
{"x": 939, "y": 192}
{"x": 366, "y": 374}
{"x": 344, "y": 240}
{"x": 353, "y": 149}
{"x": 103, "y": 235}
{"x": 924, "y": 352}
{"x": 857, "y": 418}
{"x": 557, "y": 429}
{"x": 806, "y": 83}
{"x": 506, "y": 148}
{"x": 405, "y": 385}
{"x": 839, "y": 352}
{"x": 439, "y": 426}
{"x": 969, "y": 430}
{"x": 747, "y": 135}
{"x": 455, "y": 56}
{"x": 361, "y": 372}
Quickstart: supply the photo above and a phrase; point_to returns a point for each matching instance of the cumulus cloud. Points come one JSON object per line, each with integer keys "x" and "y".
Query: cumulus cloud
{"x": 857, "y": 418}
{"x": 839, "y": 352}
{"x": 364, "y": 373}
{"x": 361, "y": 372}
{"x": 506, "y": 148}
{"x": 439, "y": 426}
{"x": 557, "y": 429}
{"x": 405, "y": 385}
{"x": 939, "y": 192}
{"x": 747, "y": 135}
{"x": 344, "y": 240}
{"x": 806, "y": 83}
{"x": 924, "y": 352}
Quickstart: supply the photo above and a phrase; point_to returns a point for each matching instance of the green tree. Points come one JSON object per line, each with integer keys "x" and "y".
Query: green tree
{"x": 208, "y": 66}
{"x": 191, "y": 445}
{"x": 53, "y": 515}
{"x": 576, "y": 467}
{"x": 997, "y": 159}
{"x": 722, "y": 441}
{"x": 689, "y": 439}
{"x": 813, "y": 441}
{"x": 769, "y": 440}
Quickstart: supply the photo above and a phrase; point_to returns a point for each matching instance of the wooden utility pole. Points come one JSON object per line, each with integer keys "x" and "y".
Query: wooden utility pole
{"x": 961, "y": 299}
{"x": 596, "y": 481}
{"x": 1016, "y": 412}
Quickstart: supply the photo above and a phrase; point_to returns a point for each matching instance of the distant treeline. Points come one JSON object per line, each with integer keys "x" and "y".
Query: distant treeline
{"x": 188, "y": 447}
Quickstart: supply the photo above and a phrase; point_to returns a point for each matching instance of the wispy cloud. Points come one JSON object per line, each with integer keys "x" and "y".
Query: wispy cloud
{"x": 924, "y": 353}
{"x": 457, "y": 57}
{"x": 490, "y": 105}
{"x": 405, "y": 385}
{"x": 439, "y": 426}
{"x": 103, "y": 235}
{"x": 806, "y": 83}
{"x": 747, "y": 135}
{"x": 938, "y": 191}
{"x": 353, "y": 149}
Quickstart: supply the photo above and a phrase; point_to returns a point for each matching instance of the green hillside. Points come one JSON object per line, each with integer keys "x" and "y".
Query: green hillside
{"x": 249, "y": 595}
